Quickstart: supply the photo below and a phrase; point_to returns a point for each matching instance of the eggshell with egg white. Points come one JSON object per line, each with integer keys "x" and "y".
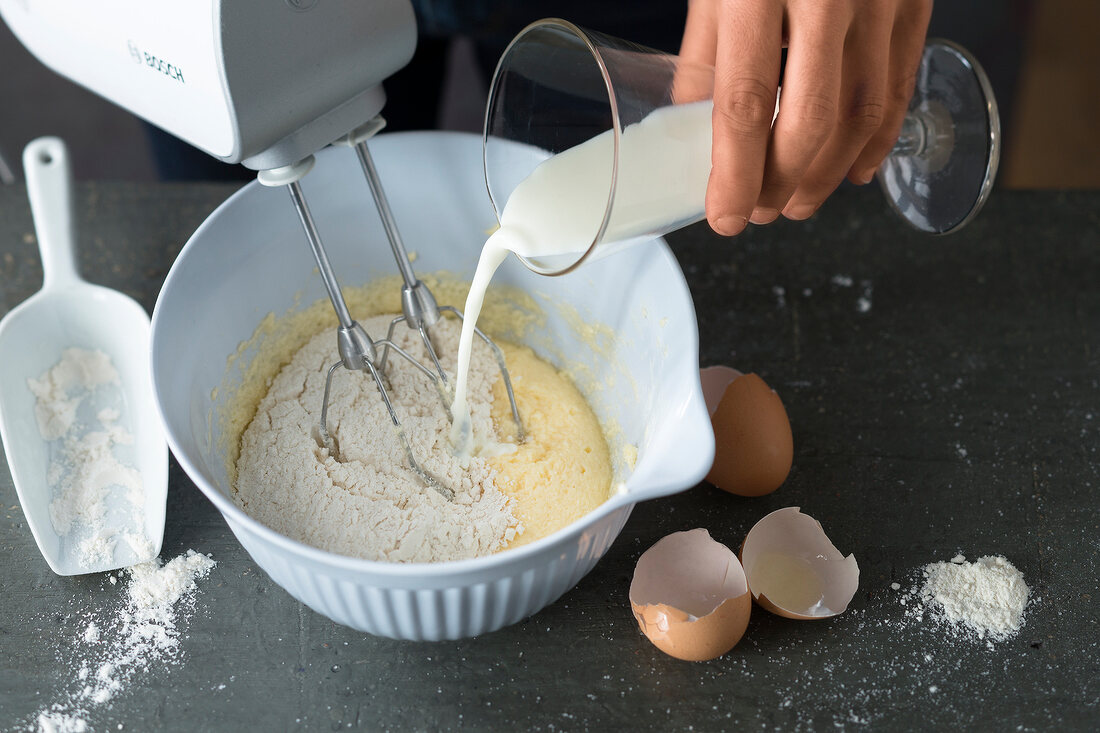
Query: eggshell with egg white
{"x": 794, "y": 570}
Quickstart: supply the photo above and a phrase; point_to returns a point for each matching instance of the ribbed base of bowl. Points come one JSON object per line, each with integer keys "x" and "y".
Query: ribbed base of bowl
{"x": 438, "y": 602}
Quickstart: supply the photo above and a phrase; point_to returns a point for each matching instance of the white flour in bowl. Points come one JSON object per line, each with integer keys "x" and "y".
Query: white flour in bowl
{"x": 369, "y": 503}
{"x": 85, "y": 473}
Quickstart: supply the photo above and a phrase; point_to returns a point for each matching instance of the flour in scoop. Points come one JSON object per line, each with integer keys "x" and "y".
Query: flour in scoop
{"x": 60, "y": 389}
{"x": 78, "y": 407}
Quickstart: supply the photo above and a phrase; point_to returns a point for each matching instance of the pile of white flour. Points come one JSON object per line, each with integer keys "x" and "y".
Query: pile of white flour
{"x": 369, "y": 503}
{"x": 140, "y": 637}
{"x": 986, "y": 598}
{"x": 84, "y": 472}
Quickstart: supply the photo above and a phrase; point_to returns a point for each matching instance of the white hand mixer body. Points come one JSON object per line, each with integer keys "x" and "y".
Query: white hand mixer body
{"x": 255, "y": 82}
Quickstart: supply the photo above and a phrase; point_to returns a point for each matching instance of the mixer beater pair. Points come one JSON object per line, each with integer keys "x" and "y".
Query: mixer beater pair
{"x": 358, "y": 351}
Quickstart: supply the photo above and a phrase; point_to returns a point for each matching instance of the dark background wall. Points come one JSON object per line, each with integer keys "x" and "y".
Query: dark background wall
{"x": 1043, "y": 58}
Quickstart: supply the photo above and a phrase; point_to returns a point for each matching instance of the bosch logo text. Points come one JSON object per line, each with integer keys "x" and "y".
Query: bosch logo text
{"x": 155, "y": 63}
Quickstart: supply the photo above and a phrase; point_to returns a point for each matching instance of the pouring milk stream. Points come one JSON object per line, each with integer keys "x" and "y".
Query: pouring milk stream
{"x": 663, "y": 168}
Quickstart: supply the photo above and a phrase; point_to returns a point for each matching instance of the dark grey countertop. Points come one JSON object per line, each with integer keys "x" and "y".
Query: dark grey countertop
{"x": 955, "y": 408}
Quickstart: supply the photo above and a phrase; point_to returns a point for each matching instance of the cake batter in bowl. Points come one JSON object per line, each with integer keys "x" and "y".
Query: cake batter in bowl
{"x": 622, "y": 328}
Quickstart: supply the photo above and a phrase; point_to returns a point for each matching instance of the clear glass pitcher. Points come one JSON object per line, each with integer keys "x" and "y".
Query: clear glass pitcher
{"x": 594, "y": 143}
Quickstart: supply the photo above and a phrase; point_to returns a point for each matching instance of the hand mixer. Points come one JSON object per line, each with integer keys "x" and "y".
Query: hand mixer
{"x": 264, "y": 84}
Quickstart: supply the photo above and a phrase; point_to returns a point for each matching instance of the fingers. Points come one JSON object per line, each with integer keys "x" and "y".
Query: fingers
{"x": 693, "y": 80}
{"x": 906, "y": 48}
{"x": 850, "y": 73}
{"x": 861, "y": 112}
{"x": 700, "y": 41}
{"x": 748, "y": 51}
{"x": 809, "y": 102}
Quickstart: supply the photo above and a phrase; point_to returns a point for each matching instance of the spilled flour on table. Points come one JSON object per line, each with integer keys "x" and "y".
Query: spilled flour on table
{"x": 985, "y": 598}
{"x": 863, "y": 304}
{"x": 114, "y": 649}
{"x": 78, "y": 405}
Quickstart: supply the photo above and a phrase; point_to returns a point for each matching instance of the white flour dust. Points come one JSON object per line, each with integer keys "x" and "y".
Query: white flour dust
{"x": 94, "y": 492}
{"x": 141, "y": 636}
{"x": 866, "y": 288}
{"x": 985, "y": 598}
{"x": 863, "y": 304}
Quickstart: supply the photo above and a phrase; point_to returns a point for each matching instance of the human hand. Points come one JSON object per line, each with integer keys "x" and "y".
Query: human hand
{"x": 851, "y": 67}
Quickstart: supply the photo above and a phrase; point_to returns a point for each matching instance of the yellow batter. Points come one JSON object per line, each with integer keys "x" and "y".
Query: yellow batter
{"x": 563, "y": 470}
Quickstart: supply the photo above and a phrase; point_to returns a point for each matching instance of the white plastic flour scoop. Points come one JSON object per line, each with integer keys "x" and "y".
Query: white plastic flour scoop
{"x": 86, "y": 448}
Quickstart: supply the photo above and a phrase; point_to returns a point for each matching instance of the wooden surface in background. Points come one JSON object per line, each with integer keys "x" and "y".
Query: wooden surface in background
{"x": 1056, "y": 140}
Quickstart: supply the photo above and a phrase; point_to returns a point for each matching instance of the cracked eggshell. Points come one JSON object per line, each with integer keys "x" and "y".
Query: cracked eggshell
{"x": 714, "y": 380}
{"x": 690, "y": 596}
{"x": 794, "y": 570}
{"x": 754, "y": 447}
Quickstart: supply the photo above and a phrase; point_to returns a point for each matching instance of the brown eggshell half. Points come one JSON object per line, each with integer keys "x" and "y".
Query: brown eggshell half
{"x": 753, "y": 445}
{"x": 788, "y": 544}
{"x": 714, "y": 380}
{"x": 690, "y": 597}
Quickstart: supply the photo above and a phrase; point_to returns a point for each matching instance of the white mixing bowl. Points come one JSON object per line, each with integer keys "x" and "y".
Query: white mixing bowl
{"x": 250, "y": 258}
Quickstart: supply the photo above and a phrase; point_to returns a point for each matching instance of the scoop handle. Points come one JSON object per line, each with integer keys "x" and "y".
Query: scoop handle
{"x": 49, "y": 188}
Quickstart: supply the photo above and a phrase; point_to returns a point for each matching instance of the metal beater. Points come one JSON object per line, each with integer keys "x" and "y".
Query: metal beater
{"x": 419, "y": 308}
{"x": 358, "y": 351}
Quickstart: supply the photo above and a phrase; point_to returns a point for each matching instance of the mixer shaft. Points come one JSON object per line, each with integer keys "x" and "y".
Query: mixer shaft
{"x": 419, "y": 308}
{"x": 358, "y": 351}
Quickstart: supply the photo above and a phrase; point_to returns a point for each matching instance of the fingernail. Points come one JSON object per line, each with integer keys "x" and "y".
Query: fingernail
{"x": 761, "y": 215}
{"x": 799, "y": 211}
{"x": 867, "y": 175}
{"x": 730, "y": 225}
